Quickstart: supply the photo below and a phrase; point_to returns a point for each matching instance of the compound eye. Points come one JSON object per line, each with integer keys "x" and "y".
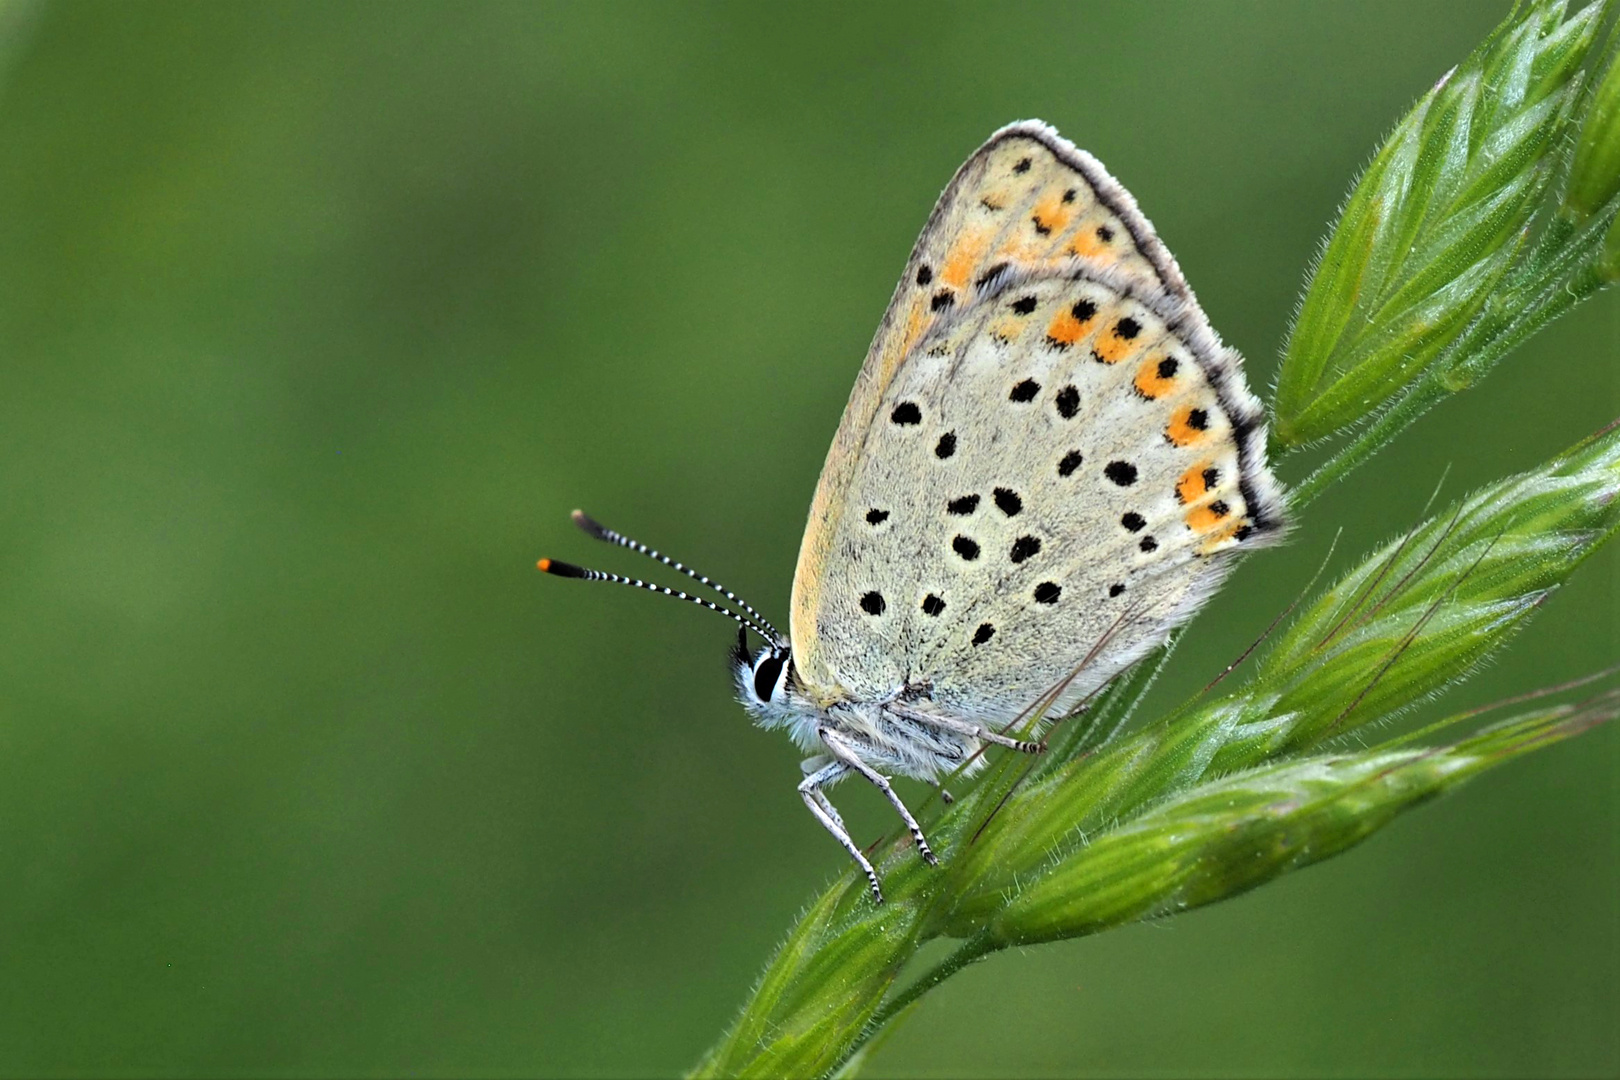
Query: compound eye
{"x": 766, "y": 674}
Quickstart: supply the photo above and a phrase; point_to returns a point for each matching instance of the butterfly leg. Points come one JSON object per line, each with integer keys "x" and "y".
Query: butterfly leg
{"x": 977, "y": 731}
{"x": 816, "y": 800}
{"x": 845, "y": 754}
{"x": 810, "y": 766}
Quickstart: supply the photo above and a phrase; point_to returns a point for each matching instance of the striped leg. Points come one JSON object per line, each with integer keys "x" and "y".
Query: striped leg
{"x": 811, "y": 765}
{"x": 977, "y": 731}
{"x": 810, "y": 789}
{"x": 845, "y": 754}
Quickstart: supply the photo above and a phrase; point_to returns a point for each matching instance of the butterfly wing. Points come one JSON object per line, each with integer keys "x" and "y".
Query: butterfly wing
{"x": 973, "y": 482}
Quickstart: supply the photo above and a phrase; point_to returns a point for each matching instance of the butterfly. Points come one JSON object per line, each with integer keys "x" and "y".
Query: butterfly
{"x": 1047, "y": 464}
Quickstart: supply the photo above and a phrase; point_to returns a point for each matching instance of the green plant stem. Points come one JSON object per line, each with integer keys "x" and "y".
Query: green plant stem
{"x": 1390, "y": 423}
{"x": 968, "y": 953}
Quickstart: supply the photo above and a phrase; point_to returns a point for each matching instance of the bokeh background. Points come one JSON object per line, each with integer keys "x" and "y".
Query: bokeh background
{"x": 315, "y": 322}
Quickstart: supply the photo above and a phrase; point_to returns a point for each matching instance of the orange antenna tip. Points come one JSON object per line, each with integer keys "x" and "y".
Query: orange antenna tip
{"x": 563, "y": 569}
{"x": 544, "y": 566}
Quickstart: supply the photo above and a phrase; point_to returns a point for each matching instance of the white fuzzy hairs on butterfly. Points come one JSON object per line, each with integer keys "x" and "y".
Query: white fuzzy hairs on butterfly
{"x": 907, "y": 740}
{"x": 765, "y": 687}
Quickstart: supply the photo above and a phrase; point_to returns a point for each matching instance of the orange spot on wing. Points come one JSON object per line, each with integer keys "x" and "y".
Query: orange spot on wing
{"x": 963, "y": 259}
{"x": 1201, "y": 519}
{"x": 1149, "y": 383}
{"x": 1065, "y": 329}
{"x": 1111, "y": 348}
{"x": 1181, "y": 431}
{"x": 1050, "y": 214}
{"x": 1191, "y": 486}
{"x": 1009, "y": 329}
{"x": 1226, "y": 532}
{"x": 1099, "y": 241}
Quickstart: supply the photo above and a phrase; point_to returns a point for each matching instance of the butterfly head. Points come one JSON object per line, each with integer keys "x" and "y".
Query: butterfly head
{"x": 764, "y": 679}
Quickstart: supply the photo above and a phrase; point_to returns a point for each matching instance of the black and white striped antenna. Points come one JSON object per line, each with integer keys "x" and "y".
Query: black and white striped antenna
{"x": 758, "y": 623}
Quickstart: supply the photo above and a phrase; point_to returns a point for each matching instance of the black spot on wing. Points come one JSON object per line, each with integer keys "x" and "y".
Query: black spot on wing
{"x": 1122, "y": 473}
{"x": 1024, "y": 547}
{"x": 1068, "y": 402}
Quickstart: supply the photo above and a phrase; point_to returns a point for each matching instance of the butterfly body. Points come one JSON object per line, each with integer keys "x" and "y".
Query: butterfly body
{"x": 1046, "y": 464}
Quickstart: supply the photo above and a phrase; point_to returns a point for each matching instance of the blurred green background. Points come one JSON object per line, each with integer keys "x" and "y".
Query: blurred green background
{"x": 316, "y": 321}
